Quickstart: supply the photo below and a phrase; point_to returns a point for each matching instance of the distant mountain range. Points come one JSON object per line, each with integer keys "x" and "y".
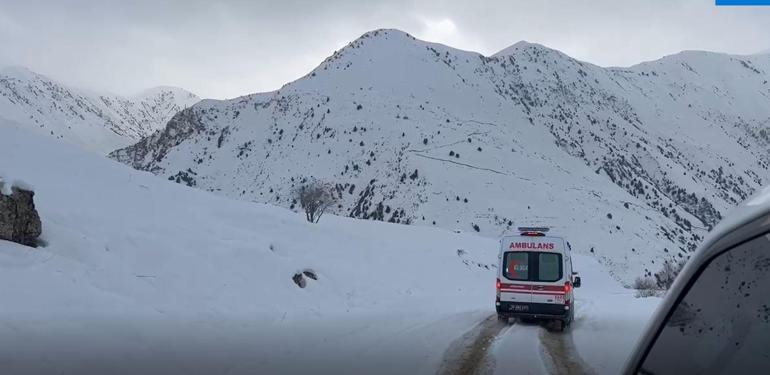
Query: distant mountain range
{"x": 96, "y": 121}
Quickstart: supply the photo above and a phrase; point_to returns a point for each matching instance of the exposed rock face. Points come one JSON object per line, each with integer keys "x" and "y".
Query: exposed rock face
{"x": 19, "y": 221}
{"x": 184, "y": 125}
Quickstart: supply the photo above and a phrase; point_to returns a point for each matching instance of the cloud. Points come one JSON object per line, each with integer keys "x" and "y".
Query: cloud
{"x": 445, "y": 31}
{"x": 441, "y": 31}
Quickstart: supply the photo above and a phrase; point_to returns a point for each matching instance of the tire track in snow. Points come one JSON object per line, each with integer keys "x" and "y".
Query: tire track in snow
{"x": 560, "y": 354}
{"x": 474, "y": 352}
{"x": 468, "y": 354}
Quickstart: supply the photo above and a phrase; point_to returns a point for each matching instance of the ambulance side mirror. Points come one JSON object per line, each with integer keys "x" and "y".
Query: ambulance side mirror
{"x": 576, "y": 283}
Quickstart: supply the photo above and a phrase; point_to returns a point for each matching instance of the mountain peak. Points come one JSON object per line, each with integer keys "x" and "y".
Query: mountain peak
{"x": 376, "y": 44}
{"x": 386, "y": 33}
{"x": 518, "y": 47}
{"x": 378, "y": 36}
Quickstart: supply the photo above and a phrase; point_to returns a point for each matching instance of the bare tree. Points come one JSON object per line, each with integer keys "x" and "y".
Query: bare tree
{"x": 646, "y": 287}
{"x": 660, "y": 281}
{"x": 667, "y": 275}
{"x": 315, "y": 197}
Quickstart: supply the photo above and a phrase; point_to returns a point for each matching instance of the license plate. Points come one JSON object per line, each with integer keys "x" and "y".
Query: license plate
{"x": 519, "y": 308}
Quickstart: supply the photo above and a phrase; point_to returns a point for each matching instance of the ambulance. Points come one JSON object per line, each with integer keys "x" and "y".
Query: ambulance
{"x": 535, "y": 278}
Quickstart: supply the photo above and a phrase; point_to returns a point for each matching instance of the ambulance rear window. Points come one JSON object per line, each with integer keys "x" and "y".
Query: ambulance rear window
{"x": 550, "y": 267}
{"x": 532, "y": 266}
{"x": 516, "y": 265}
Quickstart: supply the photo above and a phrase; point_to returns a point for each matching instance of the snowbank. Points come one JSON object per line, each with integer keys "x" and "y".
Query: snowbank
{"x": 132, "y": 259}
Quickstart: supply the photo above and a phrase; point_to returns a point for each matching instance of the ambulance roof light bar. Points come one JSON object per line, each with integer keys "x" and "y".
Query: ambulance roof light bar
{"x": 533, "y": 231}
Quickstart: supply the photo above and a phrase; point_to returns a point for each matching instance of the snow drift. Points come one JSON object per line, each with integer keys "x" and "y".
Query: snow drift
{"x": 137, "y": 264}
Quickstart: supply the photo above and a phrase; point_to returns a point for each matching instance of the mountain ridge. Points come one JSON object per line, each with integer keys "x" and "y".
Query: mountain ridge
{"x": 99, "y": 122}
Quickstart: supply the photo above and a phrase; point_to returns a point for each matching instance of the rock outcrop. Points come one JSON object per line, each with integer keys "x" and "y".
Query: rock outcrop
{"x": 19, "y": 220}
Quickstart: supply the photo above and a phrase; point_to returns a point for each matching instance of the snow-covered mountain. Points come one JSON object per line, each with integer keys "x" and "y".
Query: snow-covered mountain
{"x": 644, "y": 159}
{"x": 97, "y": 121}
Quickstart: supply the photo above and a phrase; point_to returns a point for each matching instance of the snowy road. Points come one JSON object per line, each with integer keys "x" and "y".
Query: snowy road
{"x": 492, "y": 347}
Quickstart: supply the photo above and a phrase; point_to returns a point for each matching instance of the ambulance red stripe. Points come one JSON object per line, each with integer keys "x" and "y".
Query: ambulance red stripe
{"x": 533, "y": 292}
{"x": 544, "y": 288}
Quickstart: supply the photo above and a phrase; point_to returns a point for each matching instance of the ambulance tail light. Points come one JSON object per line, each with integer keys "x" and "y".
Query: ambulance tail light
{"x": 497, "y": 290}
{"x": 567, "y": 290}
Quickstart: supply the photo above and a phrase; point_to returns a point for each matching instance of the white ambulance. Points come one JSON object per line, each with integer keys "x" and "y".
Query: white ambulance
{"x": 535, "y": 279}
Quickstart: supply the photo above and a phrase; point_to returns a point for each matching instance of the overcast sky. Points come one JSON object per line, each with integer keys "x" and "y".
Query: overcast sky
{"x": 223, "y": 49}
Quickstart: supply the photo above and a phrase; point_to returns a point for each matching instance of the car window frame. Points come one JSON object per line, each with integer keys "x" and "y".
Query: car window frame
{"x": 661, "y": 324}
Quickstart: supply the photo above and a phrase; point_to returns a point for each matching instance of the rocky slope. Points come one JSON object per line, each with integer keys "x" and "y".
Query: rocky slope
{"x": 97, "y": 121}
{"x": 19, "y": 220}
{"x": 644, "y": 159}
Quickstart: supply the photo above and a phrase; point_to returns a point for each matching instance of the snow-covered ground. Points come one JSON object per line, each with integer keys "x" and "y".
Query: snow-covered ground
{"x": 141, "y": 273}
{"x": 609, "y": 318}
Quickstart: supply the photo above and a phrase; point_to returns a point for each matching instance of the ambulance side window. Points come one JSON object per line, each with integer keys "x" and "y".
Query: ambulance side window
{"x": 721, "y": 325}
{"x": 516, "y": 265}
